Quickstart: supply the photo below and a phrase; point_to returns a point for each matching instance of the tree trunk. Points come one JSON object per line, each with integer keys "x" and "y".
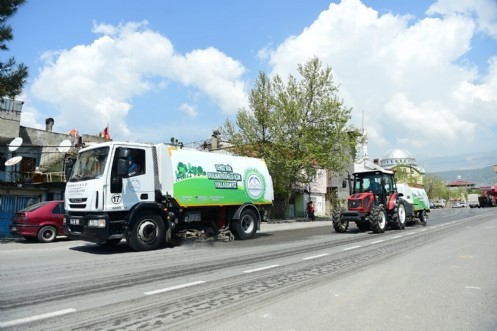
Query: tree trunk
{"x": 280, "y": 205}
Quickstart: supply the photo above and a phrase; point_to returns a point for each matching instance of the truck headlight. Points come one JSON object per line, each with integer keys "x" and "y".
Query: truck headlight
{"x": 100, "y": 223}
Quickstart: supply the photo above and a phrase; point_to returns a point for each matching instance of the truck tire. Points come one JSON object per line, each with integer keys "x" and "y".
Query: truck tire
{"x": 47, "y": 234}
{"x": 378, "y": 219}
{"x": 246, "y": 226}
{"x": 148, "y": 233}
{"x": 399, "y": 215}
{"x": 339, "y": 224}
{"x": 423, "y": 218}
{"x": 110, "y": 242}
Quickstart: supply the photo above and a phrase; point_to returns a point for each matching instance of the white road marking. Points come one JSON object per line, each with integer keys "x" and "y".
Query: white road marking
{"x": 315, "y": 256}
{"x": 349, "y": 248}
{"x": 36, "y": 317}
{"x": 262, "y": 268}
{"x": 473, "y": 288}
{"x": 172, "y": 288}
{"x": 378, "y": 241}
{"x": 396, "y": 237}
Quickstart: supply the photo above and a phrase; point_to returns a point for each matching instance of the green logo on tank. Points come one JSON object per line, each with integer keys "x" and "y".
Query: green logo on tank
{"x": 254, "y": 183}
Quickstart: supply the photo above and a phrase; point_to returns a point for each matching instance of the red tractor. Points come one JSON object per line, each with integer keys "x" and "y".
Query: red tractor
{"x": 373, "y": 204}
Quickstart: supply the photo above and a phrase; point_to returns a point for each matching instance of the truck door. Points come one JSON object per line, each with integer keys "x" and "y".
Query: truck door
{"x": 132, "y": 178}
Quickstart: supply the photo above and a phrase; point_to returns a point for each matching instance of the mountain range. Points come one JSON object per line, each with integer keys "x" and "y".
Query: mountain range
{"x": 476, "y": 160}
{"x": 475, "y": 167}
{"x": 481, "y": 177}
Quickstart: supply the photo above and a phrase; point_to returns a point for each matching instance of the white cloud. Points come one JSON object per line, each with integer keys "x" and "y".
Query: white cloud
{"x": 92, "y": 85}
{"x": 483, "y": 11}
{"x": 404, "y": 74}
{"x": 189, "y": 110}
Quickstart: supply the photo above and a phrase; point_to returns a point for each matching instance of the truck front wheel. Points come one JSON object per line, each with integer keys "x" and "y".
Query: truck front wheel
{"x": 245, "y": 227}
{"x": 378, "y": 219}
{"x": 148, "y": 233}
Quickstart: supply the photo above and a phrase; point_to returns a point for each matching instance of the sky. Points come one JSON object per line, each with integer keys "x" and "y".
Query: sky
{"x": 419, "y": 75}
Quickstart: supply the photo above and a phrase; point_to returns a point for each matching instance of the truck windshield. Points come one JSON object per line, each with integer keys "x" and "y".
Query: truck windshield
{"x": 90, "y": 164}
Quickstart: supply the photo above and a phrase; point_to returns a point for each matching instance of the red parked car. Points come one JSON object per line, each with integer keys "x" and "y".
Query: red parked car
{"x": 42, "y": 221}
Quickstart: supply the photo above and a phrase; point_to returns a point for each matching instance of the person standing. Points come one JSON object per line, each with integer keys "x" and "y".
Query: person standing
{"x": 310, "y": 211}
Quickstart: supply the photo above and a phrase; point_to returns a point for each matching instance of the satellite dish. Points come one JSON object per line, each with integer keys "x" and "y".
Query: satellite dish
{"x": 15, "y": 144}
{"x": 13, "y": 160}
{"x": 64, "y": 146}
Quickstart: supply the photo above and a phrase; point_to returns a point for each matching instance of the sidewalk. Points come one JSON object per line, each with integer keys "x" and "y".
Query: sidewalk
{"x": 291, "y": 224}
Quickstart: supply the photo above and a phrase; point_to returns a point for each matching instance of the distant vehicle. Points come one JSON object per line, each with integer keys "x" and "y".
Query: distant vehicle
{"x": 439, "y": 204}
{"x": 473, "y": 200}
{"x": 459, "y": 204}
{"x": 42, "y": 221}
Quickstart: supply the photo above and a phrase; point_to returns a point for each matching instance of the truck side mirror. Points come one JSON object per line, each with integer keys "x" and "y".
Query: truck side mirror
{"x": 122, "y": 167}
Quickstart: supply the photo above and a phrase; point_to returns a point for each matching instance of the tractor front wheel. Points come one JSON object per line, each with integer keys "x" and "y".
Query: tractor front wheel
{"x": 378, "y": 219}
{"x": 339, "y": 224}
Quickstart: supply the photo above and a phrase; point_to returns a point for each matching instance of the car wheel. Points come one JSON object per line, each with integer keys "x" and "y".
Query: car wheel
{"x": 47, "y": 234}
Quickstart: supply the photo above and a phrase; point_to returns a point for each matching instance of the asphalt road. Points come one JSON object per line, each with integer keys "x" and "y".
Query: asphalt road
{"x": 293, "y": 276}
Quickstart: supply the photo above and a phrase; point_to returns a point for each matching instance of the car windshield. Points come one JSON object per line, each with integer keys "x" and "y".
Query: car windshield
{"x": 90, "y": 164}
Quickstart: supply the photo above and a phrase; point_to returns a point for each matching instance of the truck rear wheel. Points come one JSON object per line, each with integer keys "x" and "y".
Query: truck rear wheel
{"x": 246, "y": 226}
{"x": 399, "y": 215}
{"x": 423, "y": 218}
{"x": 378, "y": 219}
{"x": 148, "y": 233}
{"x": 339, "y": 224}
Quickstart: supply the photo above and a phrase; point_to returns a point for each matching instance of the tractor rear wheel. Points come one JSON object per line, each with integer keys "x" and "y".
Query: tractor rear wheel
{"x": 399, "y": 215}
{"x": 378, "y": 219}
{"x": 339, "y": 224}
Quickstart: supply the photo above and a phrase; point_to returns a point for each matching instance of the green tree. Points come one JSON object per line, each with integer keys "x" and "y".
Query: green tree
{"x": 436, "y": 188}
{"x": 297, "y": 127}
{"x": 12, "y": 76}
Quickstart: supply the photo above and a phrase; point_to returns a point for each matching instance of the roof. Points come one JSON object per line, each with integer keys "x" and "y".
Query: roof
{"x": 461, "y": 182}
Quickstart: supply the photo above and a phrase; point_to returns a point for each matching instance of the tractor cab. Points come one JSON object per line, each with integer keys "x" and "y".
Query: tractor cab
{"x": 380, "y": 184}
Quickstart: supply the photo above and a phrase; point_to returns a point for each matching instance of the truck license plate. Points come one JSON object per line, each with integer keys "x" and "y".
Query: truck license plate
{"x": 74, "y": 221}
{"x": 192, "y": 217}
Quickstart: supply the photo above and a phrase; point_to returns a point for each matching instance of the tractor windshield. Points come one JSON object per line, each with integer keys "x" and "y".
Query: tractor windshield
{"x": 367, "y": 183}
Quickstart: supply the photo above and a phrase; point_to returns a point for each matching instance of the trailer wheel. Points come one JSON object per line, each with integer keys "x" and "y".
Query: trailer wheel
{"x": 148, "y": 233}
{"x": 245, "y": 227}
{"x": 47, "y": 234}
{"x": 339, "y": 224}
{"x": 423, "y": 218}
{"x": 378, "y": 219}
{"x": 399, "y": 215}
